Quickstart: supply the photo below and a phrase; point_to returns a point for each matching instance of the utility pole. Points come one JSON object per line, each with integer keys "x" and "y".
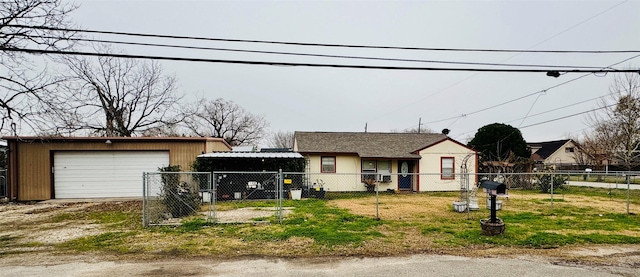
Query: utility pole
{"x": 365, "y": 127}
{"x": 419, "y": 124}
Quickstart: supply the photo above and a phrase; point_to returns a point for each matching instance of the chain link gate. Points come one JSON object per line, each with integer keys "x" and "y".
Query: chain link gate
{"x": 168, "y": 197}
{"x": 250, "y": 197}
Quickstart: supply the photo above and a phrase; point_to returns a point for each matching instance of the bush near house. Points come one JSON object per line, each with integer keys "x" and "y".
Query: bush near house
{"x": 180, "y": 198}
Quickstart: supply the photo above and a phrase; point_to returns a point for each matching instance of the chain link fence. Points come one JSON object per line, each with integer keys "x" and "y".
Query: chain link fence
{"x": 168, "y": 197}
{"x": 617, "y": 192}
{"x": 257, "y": 197}
{"x": 251, "y": 197}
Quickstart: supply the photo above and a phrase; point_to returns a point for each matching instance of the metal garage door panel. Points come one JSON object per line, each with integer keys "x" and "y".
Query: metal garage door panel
{"x": 91, "y": 174}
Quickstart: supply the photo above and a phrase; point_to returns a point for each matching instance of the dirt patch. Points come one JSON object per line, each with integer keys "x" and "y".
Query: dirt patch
{"x": 38, "y": 223}
{"x": 249, "y": 215}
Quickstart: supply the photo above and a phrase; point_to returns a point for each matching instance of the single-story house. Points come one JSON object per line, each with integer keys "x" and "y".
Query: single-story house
{"x": 558, "y": 153}
{"x": 42, "y": 168}
{"x": 400, "y": 161}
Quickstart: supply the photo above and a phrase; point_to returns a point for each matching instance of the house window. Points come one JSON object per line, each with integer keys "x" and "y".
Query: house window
{"x": 446, "y": 168}
{"x": 569, "y": 150}
{"x": 328, "y": 164}
{"x": 371, "y": 168}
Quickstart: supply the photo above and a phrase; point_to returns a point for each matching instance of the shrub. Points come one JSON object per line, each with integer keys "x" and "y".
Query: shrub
{"x": 543, "y": 181}
{"x": 180, "y": 198}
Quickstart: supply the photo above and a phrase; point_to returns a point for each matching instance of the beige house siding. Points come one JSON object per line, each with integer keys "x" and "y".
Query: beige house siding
{"x": 343, "y": 180}
{"x": 348, "y": 173}
{"x": 30, "y": 176}
{"x": 561, "y": 157}
{"x": 430, "y": 167}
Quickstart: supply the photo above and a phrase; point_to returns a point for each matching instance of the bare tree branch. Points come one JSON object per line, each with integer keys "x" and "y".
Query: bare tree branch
{"x": 26, "y": 91}
{"x": 224, "y": 119}
{"x": 119, "y": 97}
{"x": 616, "y": 129}
{"x": 281, "y": 139}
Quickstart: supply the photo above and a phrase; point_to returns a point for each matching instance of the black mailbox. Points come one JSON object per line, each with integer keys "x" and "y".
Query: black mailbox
{"x": 494, "y": 188}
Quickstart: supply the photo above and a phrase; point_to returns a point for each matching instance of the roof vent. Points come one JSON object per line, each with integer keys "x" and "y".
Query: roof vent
{"x": 445, "y": 131}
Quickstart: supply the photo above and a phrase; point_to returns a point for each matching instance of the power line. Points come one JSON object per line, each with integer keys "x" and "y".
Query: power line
{"x": 512, "y": 56}
{"x": 247, "y": 62}
{"x": 328, "y": 44}
{"x": 318, "y": 55}
{"x": 559, "y": 108}
{"x": 558, "y": 118}
{"x": 567, "y": 116}
{"x": 528, "y": 95}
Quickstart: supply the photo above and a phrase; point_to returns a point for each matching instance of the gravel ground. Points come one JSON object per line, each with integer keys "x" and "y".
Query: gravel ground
{"x": 415, "y": 265}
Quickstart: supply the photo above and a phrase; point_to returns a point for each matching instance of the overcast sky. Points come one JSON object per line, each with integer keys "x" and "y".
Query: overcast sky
{"x": 330, "y": 99}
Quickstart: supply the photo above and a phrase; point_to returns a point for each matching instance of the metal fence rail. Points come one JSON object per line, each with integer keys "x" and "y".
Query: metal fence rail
{"x": 168, "y": 197}
{"x": 253, "y": 197}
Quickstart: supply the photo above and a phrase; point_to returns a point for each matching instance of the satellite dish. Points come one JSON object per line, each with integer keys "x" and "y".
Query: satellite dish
{"x": 445, "y": 131}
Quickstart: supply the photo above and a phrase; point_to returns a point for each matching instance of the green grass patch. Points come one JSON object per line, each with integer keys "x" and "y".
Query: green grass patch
{"x": 109, "y": 218}
{"x": 324, "y": 224}
{"x": 110, "y": 241}
{"x": 7, "y": 240}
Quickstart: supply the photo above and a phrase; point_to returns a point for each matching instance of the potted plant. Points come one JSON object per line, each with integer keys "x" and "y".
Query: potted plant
{"x": 295, "y": 192}
{"x": 370, "y": 184}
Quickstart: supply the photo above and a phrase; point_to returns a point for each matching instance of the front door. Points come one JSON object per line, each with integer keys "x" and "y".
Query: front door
{"x": 405, "y": 177}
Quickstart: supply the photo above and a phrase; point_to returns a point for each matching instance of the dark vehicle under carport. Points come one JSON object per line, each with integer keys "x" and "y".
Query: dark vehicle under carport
{"x": 250, "y": 175}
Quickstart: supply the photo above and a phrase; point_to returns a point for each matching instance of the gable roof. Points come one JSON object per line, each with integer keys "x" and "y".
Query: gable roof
{"x": 367, "y": 145}
{"x": 547, "y": 148}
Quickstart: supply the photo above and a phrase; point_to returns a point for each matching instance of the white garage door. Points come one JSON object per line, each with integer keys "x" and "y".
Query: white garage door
{"x": 90, "y": 174}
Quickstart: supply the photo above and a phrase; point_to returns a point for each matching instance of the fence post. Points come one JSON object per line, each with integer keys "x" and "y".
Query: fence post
{"x": 377, "y": 202}
{"x": 144, "y": 200}
{"x": 212, "y": 197}
{"x": 628, "y": 188}
{"x": 281, "y": 188}
{"x": 552, "y": 181}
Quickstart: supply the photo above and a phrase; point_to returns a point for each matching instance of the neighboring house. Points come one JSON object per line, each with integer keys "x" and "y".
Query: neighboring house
{"x": 401, "y": 161}
{"x": 42, "y": 168}
{"x": 561, "y": 154}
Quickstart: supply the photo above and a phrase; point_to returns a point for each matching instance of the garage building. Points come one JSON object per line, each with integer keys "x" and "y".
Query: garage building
{"x": 42, "y": 168}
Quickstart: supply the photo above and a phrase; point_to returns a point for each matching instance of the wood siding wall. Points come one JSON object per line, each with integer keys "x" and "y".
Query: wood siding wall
{"x": 31, "y": 162}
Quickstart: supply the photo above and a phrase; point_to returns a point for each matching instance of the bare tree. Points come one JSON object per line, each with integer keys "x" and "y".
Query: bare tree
{"x": 414, "y": 130}
{"x": 617, "y": 127}
{"x": 281, "y": 139}
{"x": 118, "y": 97}
{"x": 224, "y": 119}
{"x": 25, "y": 88}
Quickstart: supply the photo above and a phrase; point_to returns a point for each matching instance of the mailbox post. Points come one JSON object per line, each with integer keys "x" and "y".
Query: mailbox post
{"x": 493, "y": 226}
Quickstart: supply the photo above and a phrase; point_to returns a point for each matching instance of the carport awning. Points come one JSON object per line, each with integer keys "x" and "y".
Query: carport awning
{"x": 253, "y": 155}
